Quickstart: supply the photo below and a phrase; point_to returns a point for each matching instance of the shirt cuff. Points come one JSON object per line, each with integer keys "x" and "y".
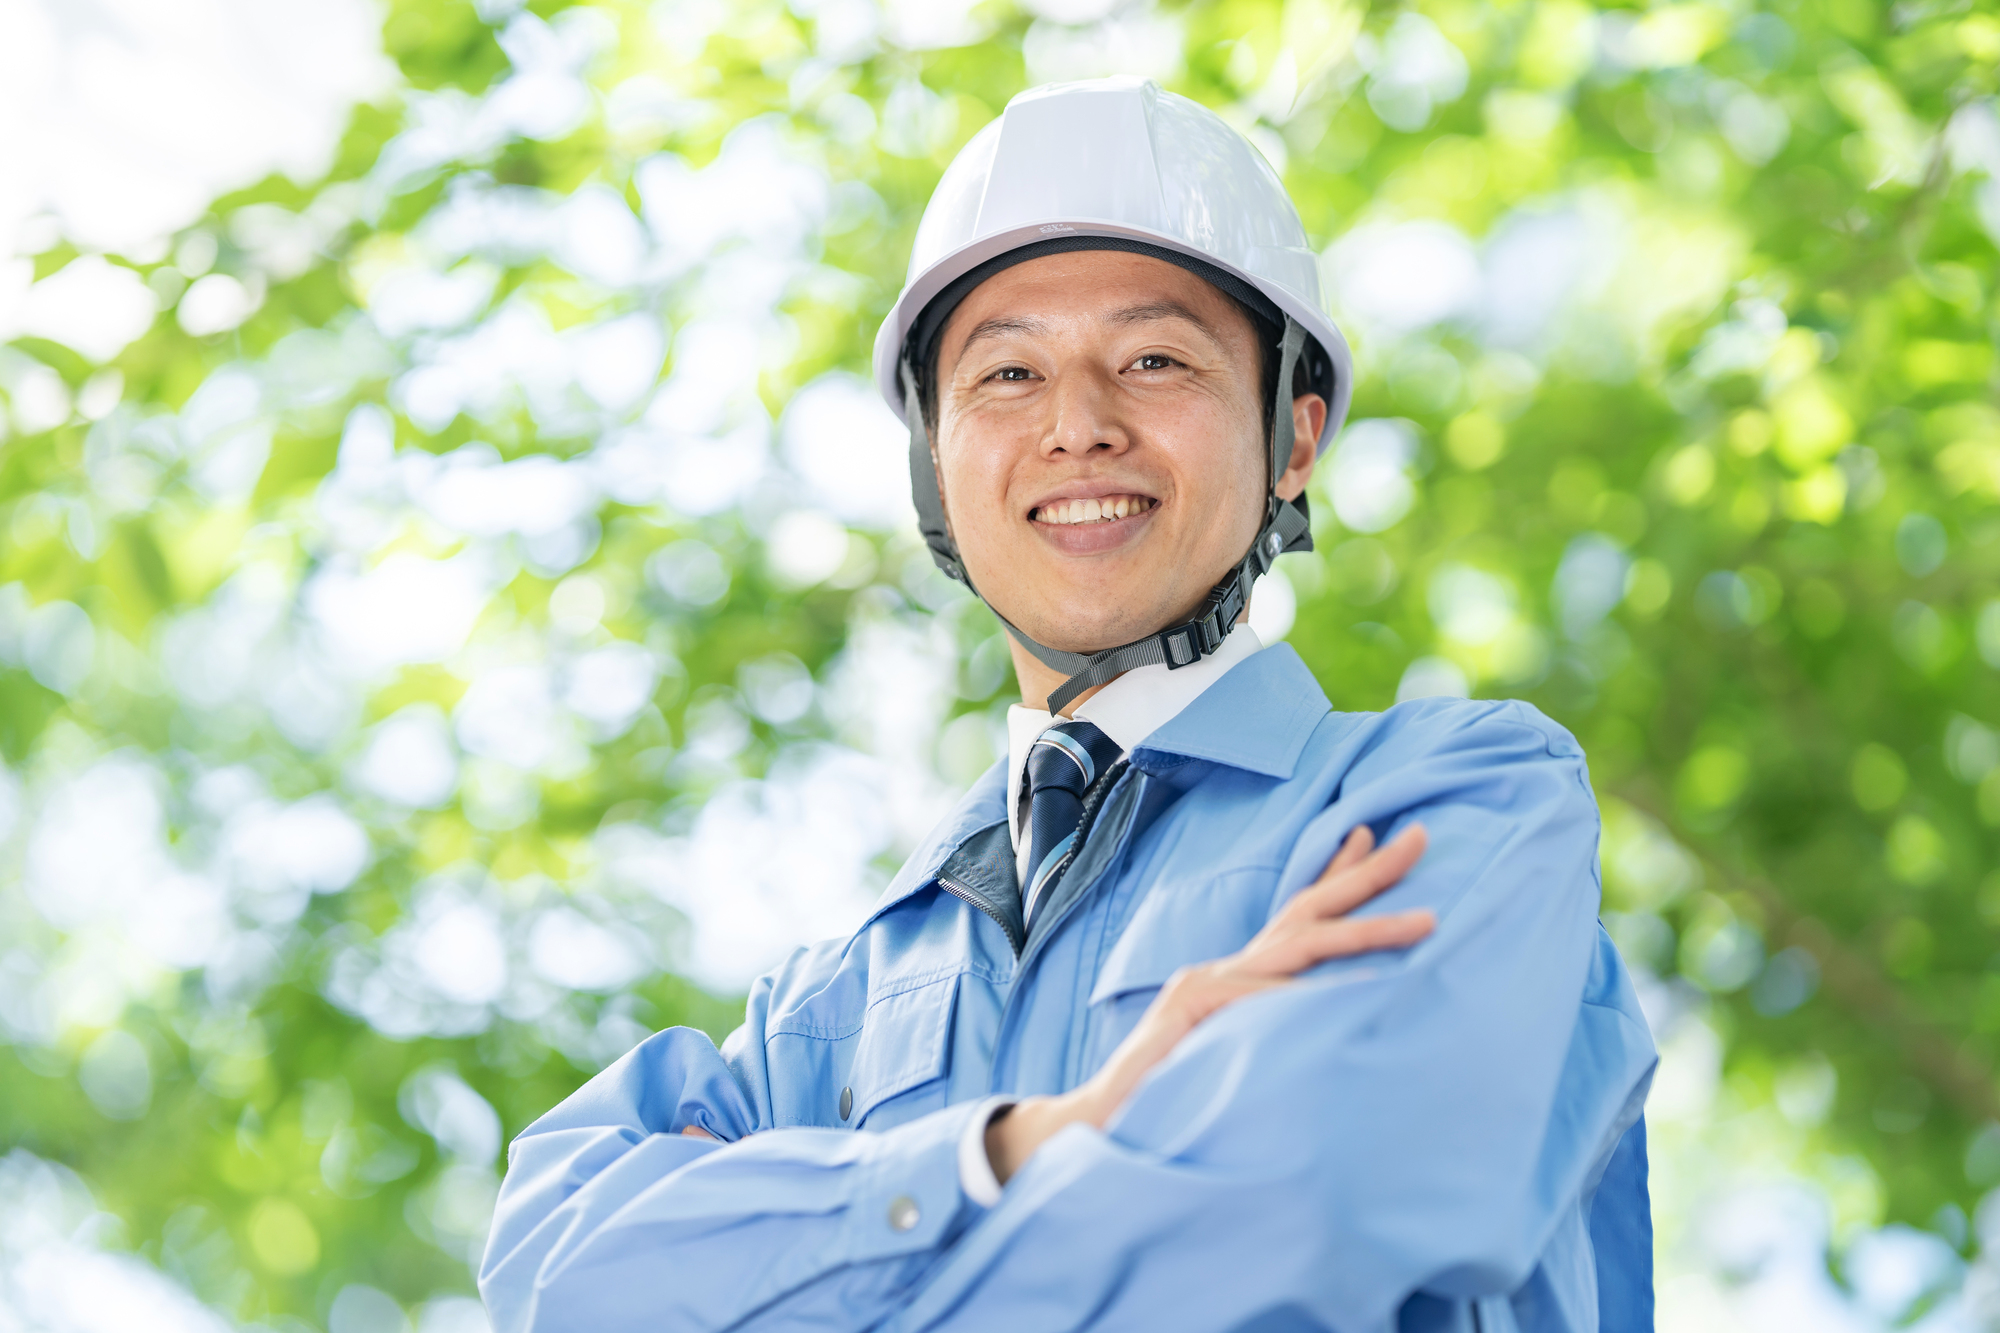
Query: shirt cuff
{"x": 975, "y": 1168}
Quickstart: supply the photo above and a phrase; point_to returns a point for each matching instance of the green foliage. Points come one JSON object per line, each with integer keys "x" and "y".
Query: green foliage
{"x": 1725, "y": 508}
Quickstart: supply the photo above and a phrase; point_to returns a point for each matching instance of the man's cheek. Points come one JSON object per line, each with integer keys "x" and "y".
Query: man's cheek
{"x": 976, "y": 504}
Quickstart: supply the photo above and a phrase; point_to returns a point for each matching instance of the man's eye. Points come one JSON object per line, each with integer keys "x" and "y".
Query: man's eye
{"x": 1153, "y": 361}
{"x": 1013, "y": 374}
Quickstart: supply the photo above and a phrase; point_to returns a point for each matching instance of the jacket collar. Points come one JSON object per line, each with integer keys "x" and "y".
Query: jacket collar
{"x": 979, "y": 808}
{"x": 1257, "y": 717}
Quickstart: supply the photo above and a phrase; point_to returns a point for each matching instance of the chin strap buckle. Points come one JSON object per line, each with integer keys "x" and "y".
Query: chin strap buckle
{"x": 1188, "y": 643}
{"x": 1182, "y": 645}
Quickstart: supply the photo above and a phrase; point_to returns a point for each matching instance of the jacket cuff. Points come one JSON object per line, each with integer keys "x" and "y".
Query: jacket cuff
{"x": 907, "y": 1196}
{"x": 975, "y": 1168}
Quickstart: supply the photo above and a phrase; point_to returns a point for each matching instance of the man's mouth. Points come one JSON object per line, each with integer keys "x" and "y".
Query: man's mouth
{"x": 1106, "y": 509}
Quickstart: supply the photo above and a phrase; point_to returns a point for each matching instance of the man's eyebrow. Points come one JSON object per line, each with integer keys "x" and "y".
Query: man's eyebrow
{"x": 1152, "y": 311}
{"x": 999, "y": 326}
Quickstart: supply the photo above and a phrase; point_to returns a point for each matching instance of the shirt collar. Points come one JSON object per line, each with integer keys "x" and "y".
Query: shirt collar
{"x": 1128, "y": 710}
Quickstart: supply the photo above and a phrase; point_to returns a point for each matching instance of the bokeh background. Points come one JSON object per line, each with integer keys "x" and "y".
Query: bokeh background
{"x": 460, "y": 609}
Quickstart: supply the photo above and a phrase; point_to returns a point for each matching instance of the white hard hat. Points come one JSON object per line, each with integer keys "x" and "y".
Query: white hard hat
{"x": 1118, "y": 159}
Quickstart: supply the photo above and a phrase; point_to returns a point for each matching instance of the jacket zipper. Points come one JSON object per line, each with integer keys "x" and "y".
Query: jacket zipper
{"x": 1093, "y": 803}
{"x": 957, "y": 890}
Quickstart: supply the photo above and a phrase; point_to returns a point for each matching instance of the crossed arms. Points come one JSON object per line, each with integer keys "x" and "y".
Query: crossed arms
{"x": 1324, "y": 1147}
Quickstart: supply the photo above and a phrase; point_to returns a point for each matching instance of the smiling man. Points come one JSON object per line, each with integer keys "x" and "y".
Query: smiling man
{"x": 1209, "y": 1008}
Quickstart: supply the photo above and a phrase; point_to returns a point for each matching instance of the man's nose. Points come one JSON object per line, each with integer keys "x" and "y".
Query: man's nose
{"x": 1087, "y": 415}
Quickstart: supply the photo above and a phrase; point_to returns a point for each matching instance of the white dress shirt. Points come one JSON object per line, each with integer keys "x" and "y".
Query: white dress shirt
{"x": 1128, "y": 710}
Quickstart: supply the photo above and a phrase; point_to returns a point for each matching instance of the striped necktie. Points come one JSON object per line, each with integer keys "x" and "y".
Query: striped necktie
{"x": 1062, "y": 764}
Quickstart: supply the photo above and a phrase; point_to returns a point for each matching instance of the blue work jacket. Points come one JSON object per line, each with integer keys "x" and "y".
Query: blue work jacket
{"x": 1444, "y": 1137}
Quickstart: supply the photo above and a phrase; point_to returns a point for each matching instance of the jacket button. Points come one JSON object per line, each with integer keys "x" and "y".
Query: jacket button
{"x": 846, "y": 1102}
{"x": 903, "y": 1212}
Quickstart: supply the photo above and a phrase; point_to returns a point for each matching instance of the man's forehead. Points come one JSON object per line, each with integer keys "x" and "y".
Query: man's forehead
{"x": 1108, "y": 286}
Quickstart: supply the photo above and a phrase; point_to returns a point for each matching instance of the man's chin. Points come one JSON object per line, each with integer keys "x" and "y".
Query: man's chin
{"x": 1089, "y": 633}
{"x": 1076, "y": 615}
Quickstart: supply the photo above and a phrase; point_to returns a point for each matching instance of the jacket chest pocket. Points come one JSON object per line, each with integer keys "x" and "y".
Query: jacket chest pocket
{"x": 877, "y": 1072}
{"x": 1174, "y": 926}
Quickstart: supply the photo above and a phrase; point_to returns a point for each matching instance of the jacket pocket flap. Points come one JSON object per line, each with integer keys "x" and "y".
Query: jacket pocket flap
{"x": 904, "y": 1043}
{"x": 1181, "y": 924}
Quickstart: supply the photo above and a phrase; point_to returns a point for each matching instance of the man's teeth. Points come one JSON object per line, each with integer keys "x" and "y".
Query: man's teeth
{"x": 1107, "y": 510}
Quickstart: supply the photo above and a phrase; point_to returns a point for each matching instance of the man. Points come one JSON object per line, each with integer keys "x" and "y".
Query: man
{"x": 1210, "y": 1009}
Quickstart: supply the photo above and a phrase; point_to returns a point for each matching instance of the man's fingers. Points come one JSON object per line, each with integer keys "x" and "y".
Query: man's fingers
{"x": 1204, "y": 990}
{"x": 1395, "y": 859}
{"x": 1359, "y": 843}
{"x": 1342, "y": 892}
{"x": 1194, "y": 993}
{"x": 697, "y": 1132}
{"x": 1353, "y": 935}
{"x": 1358, "y": 872}
{"x": 1302, "y": 945}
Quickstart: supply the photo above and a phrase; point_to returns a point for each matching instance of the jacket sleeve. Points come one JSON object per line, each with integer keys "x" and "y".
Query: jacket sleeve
{"x": 1389, "y": 1125}
{"x": 610, "y": 1219}
{"x": 1316, "y": 1155}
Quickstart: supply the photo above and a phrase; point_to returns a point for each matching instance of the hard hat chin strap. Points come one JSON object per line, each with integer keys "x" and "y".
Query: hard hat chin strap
{"x": 1286, "y": 527}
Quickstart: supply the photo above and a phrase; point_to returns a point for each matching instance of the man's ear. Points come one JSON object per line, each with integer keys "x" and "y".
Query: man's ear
{"x": 1308, "y": 417}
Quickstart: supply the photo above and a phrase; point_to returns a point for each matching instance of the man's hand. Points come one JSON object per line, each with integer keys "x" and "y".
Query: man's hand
{"x": 1313, "y": 927}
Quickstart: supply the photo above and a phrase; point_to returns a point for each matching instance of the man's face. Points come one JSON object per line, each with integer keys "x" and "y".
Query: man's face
{"x": 1100, "y": 444}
